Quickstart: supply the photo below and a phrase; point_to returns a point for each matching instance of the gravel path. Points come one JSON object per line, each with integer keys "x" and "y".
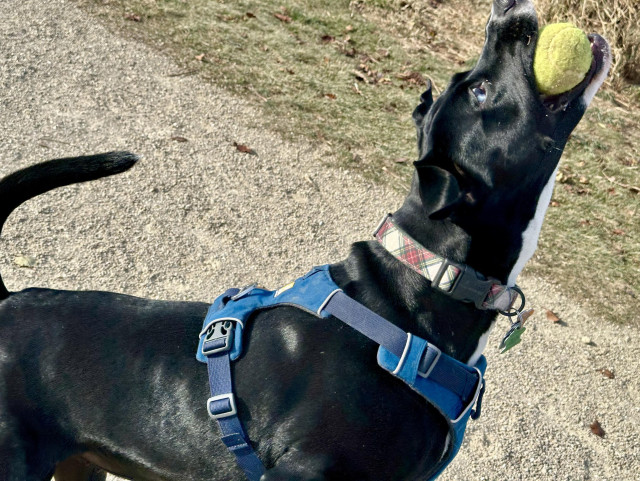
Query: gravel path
{"x": 198, "y": 216}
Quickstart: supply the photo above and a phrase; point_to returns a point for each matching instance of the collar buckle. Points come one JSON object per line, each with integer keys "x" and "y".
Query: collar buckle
{"x": 469, "y": 285}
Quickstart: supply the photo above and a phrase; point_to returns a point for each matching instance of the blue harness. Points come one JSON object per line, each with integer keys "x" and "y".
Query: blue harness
{"x": 443, "y": 381}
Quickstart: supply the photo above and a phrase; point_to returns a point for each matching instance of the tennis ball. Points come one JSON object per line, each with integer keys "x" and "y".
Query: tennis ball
{"x": 562, "y": 59}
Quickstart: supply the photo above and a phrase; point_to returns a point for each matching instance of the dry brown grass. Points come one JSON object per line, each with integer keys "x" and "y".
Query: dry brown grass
{"x": 616, "y": 20}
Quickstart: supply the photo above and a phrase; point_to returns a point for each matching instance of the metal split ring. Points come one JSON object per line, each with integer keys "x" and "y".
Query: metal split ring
{"x": 513, "y": 312}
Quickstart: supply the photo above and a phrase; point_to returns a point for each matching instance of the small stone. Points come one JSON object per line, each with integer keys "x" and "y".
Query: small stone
{"x": 25, "y": 261}
{"x": 587, "y": 340}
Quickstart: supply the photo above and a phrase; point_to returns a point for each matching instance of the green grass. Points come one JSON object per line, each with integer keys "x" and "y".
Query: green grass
{"x": 328, "y": 74}
{"x": 348, "y": 74}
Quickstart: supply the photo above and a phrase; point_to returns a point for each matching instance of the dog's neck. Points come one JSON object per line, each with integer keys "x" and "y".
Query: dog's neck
{"x": 374, "y": 277}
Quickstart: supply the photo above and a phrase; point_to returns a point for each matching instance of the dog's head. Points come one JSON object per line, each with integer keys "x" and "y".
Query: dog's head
{"x": 490, "y": 144}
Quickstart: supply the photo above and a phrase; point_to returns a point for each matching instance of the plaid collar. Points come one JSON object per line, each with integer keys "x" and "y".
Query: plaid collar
{"x": 456, "y": 280}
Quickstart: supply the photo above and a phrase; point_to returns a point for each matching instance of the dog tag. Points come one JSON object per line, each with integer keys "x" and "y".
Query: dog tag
{"x": 512, "y": 337}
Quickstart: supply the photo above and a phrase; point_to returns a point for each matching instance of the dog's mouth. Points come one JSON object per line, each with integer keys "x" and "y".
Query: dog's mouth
{"x": 589, "y": 86}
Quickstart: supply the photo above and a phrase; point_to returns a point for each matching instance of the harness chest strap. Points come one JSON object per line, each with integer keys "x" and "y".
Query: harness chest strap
{"x": 449, "y": 385}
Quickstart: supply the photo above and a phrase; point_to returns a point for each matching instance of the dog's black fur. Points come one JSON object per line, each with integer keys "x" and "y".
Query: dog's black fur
{"x": 111, "y": 380}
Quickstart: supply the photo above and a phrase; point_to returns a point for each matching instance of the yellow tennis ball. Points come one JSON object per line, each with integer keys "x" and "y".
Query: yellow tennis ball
{"x": 562, "y": 59}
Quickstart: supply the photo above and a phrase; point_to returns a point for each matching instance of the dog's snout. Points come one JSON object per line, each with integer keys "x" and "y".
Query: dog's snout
{"x": 503, "y": 6}
{"x": 515, "y": 18}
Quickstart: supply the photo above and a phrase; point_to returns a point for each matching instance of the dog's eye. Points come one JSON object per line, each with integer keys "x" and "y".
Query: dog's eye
{"x": 480, "y": 92}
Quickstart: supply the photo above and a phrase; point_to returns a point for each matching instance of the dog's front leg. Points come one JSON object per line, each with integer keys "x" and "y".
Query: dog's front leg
{"x": 297, "y": 465}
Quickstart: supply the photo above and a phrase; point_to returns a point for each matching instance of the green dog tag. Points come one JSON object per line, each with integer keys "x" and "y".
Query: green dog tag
{"x": 512, "y": 338}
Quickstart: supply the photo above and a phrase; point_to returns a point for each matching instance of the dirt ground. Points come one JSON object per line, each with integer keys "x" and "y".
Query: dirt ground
{"x": 197, "y": 216}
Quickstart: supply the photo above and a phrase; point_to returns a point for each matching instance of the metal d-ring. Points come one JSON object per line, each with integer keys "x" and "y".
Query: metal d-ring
{"x": 512, "y": 312}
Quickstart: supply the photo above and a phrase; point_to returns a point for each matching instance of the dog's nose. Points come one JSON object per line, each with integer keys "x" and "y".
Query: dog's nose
{"x": 504, "y": 6}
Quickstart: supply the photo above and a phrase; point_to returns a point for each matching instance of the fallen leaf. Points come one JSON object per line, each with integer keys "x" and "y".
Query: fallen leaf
{"x": 607, "y": 373}
{"x": 250, "y": 15}
{"x": 348, "y": 28}
{"x": 596, "y": 429}
{"x": 327, "y": 38}
{"x": 25, "y": 261}
{"x": 565, "y": 177}
{"x": 555, "y": 203}
{"x": 133, "y": 17}
{"x": 227, "y": 18}
{"x": 401, "y": 160}
{"x": 617, "y": 232}
{"x": 525, "y": 315}
{"x": 331, "y": 96}
{"x": 282, "y": 17}
{"x": 413, "y": 77}
{"x": 349, "y": 52}
{"x": 366, "y": 58}
{"x": 178, "y": 138}
{"x": 552, "y": 316}
{"x": 200, "y": 58}
{"x": 244, "y": 149}
{"x": 360, "y": 76}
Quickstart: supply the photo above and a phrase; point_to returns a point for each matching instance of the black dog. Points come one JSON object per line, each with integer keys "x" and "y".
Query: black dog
{"x": 94, "y": 380}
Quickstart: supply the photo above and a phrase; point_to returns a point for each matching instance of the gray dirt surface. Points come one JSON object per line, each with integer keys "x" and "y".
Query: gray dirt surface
{"x": 198, "y": 216}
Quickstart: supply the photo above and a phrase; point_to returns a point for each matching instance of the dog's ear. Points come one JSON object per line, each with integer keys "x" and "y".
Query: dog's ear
{"x": 426, "y": 101}
{"x": 439, "y": 190}
{"x": 420, "y": 112}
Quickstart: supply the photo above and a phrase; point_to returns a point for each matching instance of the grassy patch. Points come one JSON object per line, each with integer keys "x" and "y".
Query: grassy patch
{"x": 320, "y": 69}
{"x": 348, "y": 75}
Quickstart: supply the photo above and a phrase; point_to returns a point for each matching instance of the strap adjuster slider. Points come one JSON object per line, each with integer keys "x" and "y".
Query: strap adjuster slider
{"x": 222, "y": 406}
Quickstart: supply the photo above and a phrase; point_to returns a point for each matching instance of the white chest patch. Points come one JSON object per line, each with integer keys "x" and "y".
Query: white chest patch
{"x": 532, "y": 232}
{"x": 482, "y": 343}
{"x": 529, "y": 243}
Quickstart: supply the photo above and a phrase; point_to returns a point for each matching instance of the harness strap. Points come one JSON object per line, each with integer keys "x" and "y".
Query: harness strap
{"x": 443, "y": 370}
{"x": 222, "y": 406}
{"x": 449, "y": 385}
{"x": 367, "y": 322}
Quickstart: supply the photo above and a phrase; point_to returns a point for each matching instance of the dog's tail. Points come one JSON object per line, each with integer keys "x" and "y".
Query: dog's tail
{"x": 24, "y": 184}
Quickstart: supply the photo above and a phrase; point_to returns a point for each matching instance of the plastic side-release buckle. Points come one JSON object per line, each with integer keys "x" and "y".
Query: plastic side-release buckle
{"x": 469, "y": 286}
{"x": 218, "y": 337}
